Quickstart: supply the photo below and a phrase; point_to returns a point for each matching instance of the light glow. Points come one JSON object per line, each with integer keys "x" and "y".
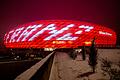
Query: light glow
{"x": 58, "y": 34}
{"x": 105, "y": 33}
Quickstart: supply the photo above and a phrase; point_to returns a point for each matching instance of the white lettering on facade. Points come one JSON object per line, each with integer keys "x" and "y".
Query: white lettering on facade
{"x": 49, "y": 27}
{"x": 15, "y": 34}
{"x": 27, "y": 33}
{"x": 78, "y": 32}
{"x": 87, "y": 28}
{"x": 105, "y": 33}
{"x": 34, "y": 28}
{"x": 67, "y": 37}
{"x": 55, "y": 33}
{"x": 8, "y": 36}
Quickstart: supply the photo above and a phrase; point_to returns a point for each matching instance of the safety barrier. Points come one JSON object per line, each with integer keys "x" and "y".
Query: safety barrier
{"x": 39, "y": 71}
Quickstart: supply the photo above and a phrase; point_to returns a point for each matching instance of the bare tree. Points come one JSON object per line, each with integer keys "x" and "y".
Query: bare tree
{"x": 107, "y": 68}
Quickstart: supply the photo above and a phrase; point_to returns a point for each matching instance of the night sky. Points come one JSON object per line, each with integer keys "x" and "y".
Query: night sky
{"x": 16, "y": 12}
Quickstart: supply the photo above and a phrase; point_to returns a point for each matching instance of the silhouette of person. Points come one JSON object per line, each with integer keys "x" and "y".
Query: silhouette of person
{"x": 83, "y": 53}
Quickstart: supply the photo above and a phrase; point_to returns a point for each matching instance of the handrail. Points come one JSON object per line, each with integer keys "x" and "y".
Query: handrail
{"x": 29, "y": 73}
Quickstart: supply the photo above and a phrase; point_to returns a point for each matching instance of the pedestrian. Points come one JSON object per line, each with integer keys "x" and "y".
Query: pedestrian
{"x": 83, "y": 53}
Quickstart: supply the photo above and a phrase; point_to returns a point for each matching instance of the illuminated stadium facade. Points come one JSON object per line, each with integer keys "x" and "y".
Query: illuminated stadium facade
{"x": 59, "y": 34}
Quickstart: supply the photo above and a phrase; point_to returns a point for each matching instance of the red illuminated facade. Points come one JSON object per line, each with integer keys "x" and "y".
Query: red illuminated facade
{"x": 59, "y": 34}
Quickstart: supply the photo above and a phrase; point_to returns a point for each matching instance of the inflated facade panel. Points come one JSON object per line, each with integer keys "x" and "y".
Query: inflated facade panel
{"x": 58, "y": 34}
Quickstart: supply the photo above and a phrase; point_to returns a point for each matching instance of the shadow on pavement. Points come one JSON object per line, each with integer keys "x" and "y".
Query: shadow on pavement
{"x": 85, "y": 74}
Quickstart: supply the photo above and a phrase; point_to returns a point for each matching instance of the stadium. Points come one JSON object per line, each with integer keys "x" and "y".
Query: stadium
{"x": 48, "y": 42}
{"x": 59, "y": 34}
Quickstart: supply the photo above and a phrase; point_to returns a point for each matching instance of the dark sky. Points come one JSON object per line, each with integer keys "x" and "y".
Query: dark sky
{"x": 16, "y": 12}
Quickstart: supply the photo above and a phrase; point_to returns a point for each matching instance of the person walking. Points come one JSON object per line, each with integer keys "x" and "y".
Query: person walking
{"x": 83, "y": 53}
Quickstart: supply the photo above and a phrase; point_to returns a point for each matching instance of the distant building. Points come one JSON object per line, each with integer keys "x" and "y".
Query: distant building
{"x": 59, "y": 34}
